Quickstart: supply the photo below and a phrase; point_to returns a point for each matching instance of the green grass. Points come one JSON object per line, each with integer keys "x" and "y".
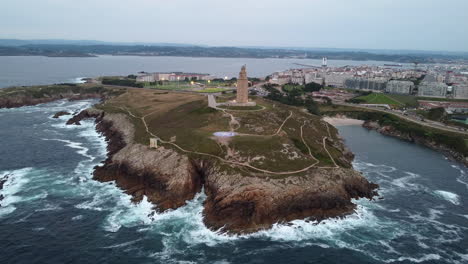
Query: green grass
{"x": 170, "y": 86}
{"x": 192, "y": 124}
{"x": 189, "y": 121}
{"x": 407, "y": 100}
{"x": 379, "y": 98}
{"x": 44, "y": 91}
{"x": 269, "y": 148}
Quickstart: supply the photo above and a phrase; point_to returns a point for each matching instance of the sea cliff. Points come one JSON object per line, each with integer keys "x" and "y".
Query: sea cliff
{"x": 26, "y": 96}
{"x": 235, "y": 203}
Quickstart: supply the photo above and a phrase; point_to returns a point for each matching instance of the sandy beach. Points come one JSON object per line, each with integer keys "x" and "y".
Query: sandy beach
{"x": 342, "y": 121}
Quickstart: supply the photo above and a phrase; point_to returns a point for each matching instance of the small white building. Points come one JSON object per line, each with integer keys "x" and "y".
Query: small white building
{"x": 145, "y": 78}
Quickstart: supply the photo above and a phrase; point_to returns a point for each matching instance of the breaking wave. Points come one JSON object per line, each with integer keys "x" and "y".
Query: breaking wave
{"x": 385, "y": 230}
{"x": 462, "y": 178}
{"x": 12, "y": 186}
{"x": 448, "y": 196}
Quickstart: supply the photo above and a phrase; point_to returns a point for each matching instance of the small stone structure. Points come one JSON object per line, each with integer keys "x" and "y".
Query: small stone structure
{"x": 153, "y": 143}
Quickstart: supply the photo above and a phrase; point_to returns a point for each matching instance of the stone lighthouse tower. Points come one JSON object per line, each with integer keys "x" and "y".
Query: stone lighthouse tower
{"x": 242, "y": 87}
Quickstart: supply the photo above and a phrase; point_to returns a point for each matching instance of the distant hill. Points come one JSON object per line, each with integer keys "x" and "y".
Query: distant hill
{"x": 88, "y": 48}
{"x": 22, "y": 42}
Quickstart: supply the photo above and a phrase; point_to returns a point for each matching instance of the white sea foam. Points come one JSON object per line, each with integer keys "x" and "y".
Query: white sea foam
{"x": 125, "y": 244}
{"x": 369, "y": 167}
{"x": 435, "y": 214}
{"x": 49, "y": 207}
{"x": 15, "y": 182}
{"x": 420, "y": 239}
{"x": 185, "y": 224}
{"x": 464, "y": 257}
{"x": 446, "y": 233}
{"x": 76, "y": 218}
{"x": 406, "y": 182}
{"x": 426, "y": 257}
{"x": 299, "y": 230}
{"x": 462, "y": 178}
{"x": 448, "y": 196}
{"x": 83, "y": 151}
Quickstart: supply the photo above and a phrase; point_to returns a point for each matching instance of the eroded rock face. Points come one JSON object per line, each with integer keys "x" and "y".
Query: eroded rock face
{"x": 18, "y": 101}
{"x": 61, "y": 113}
{"x": 166, "y": 177}
{"x": 247, "y": 204}
{"x": 234, "y": 202}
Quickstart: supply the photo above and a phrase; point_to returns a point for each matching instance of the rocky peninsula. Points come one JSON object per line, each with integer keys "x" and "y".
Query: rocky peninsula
{"x": 282, "y": 165}
{"x": 25, "y": 96}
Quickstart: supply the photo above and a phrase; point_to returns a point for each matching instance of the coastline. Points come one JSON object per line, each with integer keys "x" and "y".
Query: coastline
{"x": 388, "y": 130}
{"x": 235, "y": 204}
{"x": 343, "y": 121}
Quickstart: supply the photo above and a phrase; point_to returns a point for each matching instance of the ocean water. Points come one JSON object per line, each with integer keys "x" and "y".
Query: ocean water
{"x": 53, "y": 212}
{"x": 31, "y": 70}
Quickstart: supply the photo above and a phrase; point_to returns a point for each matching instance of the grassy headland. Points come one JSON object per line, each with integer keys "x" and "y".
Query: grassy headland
{"x": 268, "y": 139}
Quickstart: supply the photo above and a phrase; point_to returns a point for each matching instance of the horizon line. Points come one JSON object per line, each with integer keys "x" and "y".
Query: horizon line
{"x": 145, "y": 43}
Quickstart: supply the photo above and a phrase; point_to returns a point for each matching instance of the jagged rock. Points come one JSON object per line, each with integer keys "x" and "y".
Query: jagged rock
{"x": 3, "y": 180}
{"x": 61, "y": 113}
{"x": 247, "y": 204}
{"x": 18, "y": 101}
{"x": 237, "y": 203}
{"x": 91, "y": 113}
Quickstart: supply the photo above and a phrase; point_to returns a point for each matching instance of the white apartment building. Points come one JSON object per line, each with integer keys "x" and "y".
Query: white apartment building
{"x": 399, "y": 87}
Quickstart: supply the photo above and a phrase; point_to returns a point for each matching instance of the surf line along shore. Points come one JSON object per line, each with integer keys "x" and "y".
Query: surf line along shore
{"x": 236, "y": 202}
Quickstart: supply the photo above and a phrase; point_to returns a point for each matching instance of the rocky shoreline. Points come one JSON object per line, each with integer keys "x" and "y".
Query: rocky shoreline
{"x": 235, "y": 203}
{"x": 19, "y": 101}
{"x": 391, "y": 131}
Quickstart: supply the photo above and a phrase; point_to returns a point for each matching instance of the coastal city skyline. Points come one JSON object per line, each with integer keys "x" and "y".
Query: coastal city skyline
{"x": 361, "y": 24}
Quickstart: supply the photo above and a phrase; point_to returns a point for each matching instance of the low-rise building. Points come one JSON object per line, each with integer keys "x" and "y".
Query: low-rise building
{"x": 172, "y": 76}
{"x": 145, "y": 78}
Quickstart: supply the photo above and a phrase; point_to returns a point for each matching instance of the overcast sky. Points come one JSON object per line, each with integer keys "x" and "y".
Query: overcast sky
{"x": 376, "y": 24}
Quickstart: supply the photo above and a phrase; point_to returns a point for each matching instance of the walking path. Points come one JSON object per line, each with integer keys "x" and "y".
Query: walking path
{"x": 239, "y": 163}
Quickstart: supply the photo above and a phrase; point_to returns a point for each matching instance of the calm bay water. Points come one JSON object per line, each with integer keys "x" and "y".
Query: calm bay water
{"x": 31, "y": 70}
{"x": 53, "y": 212}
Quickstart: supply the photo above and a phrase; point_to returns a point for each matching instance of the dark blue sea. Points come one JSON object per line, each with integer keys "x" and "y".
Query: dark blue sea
{"x": 53, "y": 212}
